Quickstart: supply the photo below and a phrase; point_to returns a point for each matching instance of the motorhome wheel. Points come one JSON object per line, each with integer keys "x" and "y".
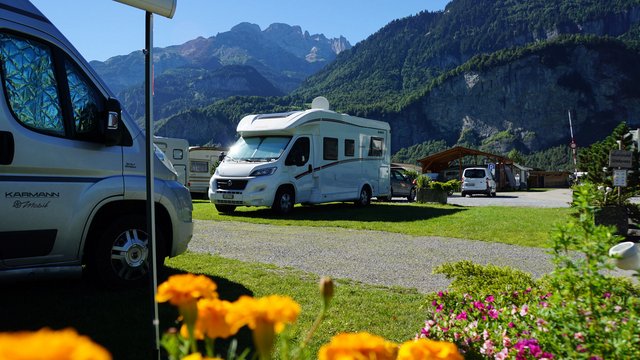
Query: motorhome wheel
{"x": 283, "y": 201}
{"x": 121, "y": 256}
{"x": 365, "y": 197}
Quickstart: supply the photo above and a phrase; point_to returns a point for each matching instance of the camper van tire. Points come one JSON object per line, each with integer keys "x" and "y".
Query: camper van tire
{"x": 120, "y": 258}
{"x": 284, "y": 200}
{"x": 225, "y": 209}
{"x": 365, "y": 196}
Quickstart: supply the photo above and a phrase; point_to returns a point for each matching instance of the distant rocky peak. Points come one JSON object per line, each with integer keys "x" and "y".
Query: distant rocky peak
{"x": 246, "y": 27}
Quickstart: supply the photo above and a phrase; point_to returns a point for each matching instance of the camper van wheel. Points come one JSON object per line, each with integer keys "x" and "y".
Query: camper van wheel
{"x": 284, "y": 201}
{"x": 365, "y": 197}
{"x": 225, "y": 209}
{"x": 121, "y": 256}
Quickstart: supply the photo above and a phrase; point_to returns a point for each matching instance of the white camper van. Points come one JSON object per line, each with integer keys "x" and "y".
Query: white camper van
{"x": 177, "y": 151}
{"x": 311, "y": 156}
{"x": 201, "y": 162}
{"x": 72, "y": 169}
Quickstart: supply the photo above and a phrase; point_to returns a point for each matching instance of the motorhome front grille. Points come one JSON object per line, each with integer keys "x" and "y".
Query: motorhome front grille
{"x": 231, "y": 184}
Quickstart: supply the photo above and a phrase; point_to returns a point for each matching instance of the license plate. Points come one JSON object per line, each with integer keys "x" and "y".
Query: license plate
{"x": 227, "y": 196}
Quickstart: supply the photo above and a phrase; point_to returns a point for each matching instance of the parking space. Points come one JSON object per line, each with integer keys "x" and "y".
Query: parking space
{"x": 551, "y": 198}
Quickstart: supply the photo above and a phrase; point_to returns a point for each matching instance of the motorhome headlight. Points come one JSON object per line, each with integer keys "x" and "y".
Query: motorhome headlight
{"x": 264, "y": 171}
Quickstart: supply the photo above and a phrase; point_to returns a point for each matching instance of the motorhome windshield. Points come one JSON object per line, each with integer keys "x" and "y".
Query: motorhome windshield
{"x": 259, "y": 148}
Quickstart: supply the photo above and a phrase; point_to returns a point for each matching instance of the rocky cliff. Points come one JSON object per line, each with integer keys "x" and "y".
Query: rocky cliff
{"x": 523, "y": 103}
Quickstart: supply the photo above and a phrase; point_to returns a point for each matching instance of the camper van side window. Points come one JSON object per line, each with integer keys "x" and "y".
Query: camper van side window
{"x": 349, "y": 147}
{"x": 30, "y": 84}
{"x": 85, "y": 102}
{"x": 330, "y": 148}
{"x": 375, "y": 146}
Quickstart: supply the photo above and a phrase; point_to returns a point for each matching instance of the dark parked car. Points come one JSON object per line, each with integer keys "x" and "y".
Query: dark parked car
{"x": 402, "y": 186}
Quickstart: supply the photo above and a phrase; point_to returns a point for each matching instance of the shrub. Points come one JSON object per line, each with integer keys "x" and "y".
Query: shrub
{"x": 576, "y": 312}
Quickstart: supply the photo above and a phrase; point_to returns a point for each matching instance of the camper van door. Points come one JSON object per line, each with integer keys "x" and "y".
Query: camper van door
{"x": 300, "y": 166}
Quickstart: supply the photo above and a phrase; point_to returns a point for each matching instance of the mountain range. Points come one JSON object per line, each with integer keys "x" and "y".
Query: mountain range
{"x": 243, "y": 61}
{"x": 490, "y": 74}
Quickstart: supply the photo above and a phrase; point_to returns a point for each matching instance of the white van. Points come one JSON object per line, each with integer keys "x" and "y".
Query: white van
{"x": 478, "y": 180}
{"x": 72, "y": 169}
{"x": 202, "y": 160}
{"x": 177, "y": 151}
{"x": 313, "y": 156}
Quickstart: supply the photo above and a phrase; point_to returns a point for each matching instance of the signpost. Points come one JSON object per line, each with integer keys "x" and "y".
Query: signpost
{"x": 619, "y": 178}
{"x": 620, "y": 159}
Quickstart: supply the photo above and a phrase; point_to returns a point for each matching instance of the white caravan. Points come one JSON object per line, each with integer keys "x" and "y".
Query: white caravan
{"x": 313, "y": 156}
{"x": 202, "y": 160}
{"x": 72, "y": 169}
{"x": 177, "y": 152}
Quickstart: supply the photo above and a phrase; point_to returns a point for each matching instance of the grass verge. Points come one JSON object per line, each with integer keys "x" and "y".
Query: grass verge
{"x": 121, "y": 320}
{"x": 394, "y": 313}
{"x": 510, "y": 225}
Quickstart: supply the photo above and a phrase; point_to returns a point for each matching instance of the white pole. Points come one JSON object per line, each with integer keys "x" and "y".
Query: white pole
{"x": 151, "y": 216}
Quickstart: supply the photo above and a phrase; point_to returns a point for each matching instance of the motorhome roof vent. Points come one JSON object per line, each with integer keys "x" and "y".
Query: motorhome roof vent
{"x": 321, "y": 103}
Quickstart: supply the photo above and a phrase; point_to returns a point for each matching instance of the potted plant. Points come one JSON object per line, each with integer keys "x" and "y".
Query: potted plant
{"x": 434, "y": 191}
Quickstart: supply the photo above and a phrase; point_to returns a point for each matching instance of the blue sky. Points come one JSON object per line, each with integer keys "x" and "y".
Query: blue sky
{"x": 101, "y": 29}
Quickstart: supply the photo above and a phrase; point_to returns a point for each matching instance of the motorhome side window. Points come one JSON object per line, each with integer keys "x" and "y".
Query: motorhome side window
{"x": 329, "y": 148}
{"x": 299, "y": 153}
{"x": 39, "y": 98}
{"x": 349, "y": 147}
{"x": 375, "y": 146}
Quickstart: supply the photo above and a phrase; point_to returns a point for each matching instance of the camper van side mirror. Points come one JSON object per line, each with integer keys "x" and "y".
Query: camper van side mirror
{"x": 111, "y": 126}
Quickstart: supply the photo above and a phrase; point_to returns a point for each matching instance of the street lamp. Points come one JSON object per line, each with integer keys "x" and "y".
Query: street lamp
{"x": 167, "y": 9}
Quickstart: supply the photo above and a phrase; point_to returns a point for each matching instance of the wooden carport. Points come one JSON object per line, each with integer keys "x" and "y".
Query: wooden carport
{"x": 443, "y": 160}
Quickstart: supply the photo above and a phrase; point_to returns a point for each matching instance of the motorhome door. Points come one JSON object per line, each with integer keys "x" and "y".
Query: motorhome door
{"x": 300, "y": 167}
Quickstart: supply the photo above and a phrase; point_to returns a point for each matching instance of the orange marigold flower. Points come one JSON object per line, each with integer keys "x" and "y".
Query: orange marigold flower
{"x": 265, "y": 316}
{"x": 47, "y": 344}
{"x": 358, "y": 346}
{"x": 184, "y": 289}
{"x": 211, "y": 320}
{"x": 275, "y": 309}
{"x": 428, "y": 350}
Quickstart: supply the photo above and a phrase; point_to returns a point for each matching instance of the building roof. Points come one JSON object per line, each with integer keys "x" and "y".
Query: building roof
{"x": 442, "y": 160}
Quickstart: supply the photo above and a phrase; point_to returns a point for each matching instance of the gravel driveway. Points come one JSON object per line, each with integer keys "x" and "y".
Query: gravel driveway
{"x": 372, "y": 257}
{"x": 377, "y": 257}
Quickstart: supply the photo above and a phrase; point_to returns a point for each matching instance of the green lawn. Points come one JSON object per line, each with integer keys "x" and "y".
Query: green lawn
{"x": 511, "y": 225}
{"x": 121, "y": 320}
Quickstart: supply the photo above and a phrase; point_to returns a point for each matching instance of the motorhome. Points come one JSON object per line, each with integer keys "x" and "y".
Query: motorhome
{"x": 72, "y": 168}
{"x": 202, "y": 161}
{"x": 177, "y": 151}
{"x": 310, "y": 157}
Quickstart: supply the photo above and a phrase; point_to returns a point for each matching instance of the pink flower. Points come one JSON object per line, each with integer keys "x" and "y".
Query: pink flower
{"x": 579, "y": 336}
{"x": 511, "y": 325}
{"x": 607, "y": 295}
{"x": 506, "y": 342}
{"x": 462, "y": 316}
{"x": 502, "y": 355}
{"x": 525, "y": 310}
{"x": 493, "y": 313}
{"x": 487, "y": 348}
{"x": 489, "y": 299}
